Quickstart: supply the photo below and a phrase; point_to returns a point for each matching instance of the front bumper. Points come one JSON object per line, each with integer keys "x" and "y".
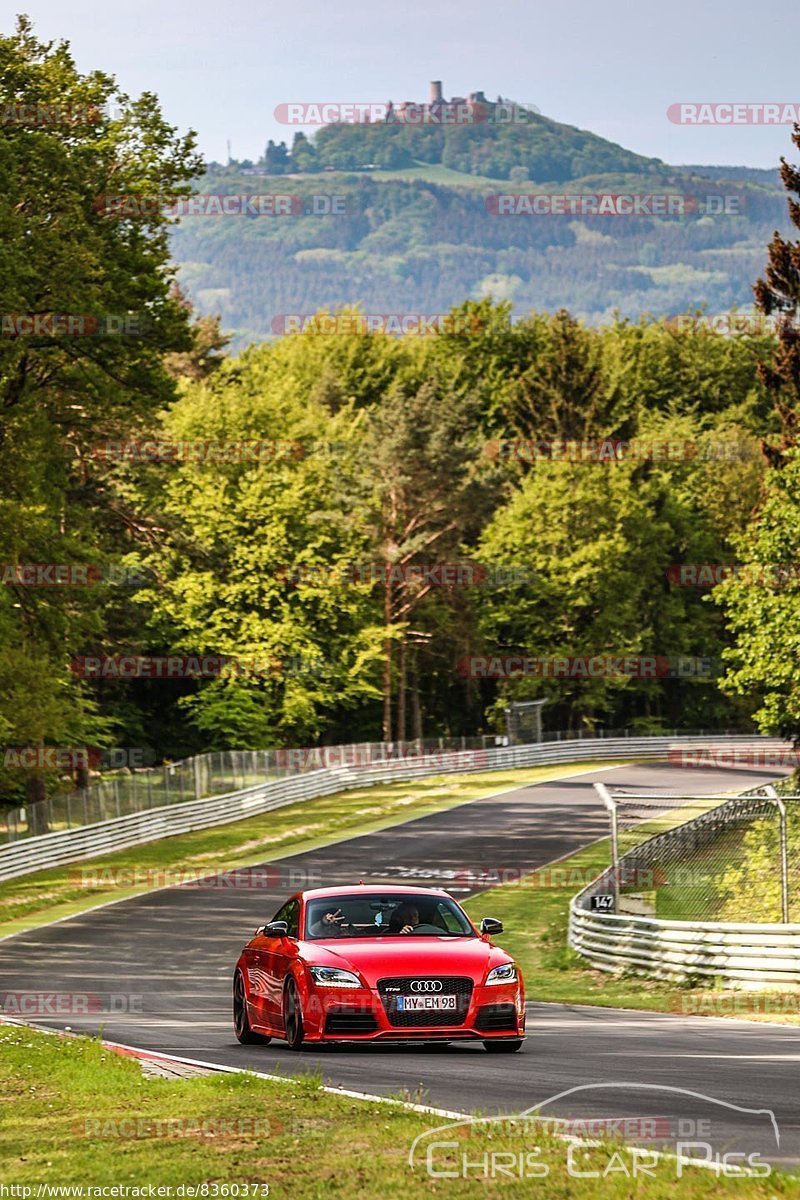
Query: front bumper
{"x": 360, "y": 1015}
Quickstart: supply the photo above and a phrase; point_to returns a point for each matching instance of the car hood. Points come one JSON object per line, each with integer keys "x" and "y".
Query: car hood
{"x": 409, "y": 955}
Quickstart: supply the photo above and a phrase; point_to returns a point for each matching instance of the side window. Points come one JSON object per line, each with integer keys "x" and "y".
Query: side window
{"x": 447, "y": 919}
{"x": 290, "y": 913}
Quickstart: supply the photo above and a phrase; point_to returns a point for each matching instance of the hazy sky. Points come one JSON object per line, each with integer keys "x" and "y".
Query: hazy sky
{"x": 611, "y": 67}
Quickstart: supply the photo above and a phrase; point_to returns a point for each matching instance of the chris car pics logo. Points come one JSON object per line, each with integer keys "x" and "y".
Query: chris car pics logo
{"x": 602, "y": 1132}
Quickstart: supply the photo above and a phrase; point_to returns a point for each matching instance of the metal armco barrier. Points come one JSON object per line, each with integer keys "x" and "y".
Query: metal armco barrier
{"x": 75, "y": 845}
{"x": 734, "y": 952}
{"x": 742, "y": 954}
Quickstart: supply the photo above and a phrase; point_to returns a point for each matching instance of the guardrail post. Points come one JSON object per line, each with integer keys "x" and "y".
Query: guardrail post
{"x": 781, "y": 807}
{"x": 610, "y": 805}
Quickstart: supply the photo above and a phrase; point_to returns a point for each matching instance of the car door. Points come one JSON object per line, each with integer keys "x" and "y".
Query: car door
{"x": 271, "y": 959}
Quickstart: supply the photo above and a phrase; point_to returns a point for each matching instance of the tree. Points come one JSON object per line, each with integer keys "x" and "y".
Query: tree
{"x": 255, "y": 559}
{"x": 303, "y": 153}
{"x": 592, "y": 544}
{"x": 762, "y": 605}
{"x": 779, "y": 294}
{"x": 87, "y": 318}
{"x": 424, "y": 498}
{"x": 762, "y": 602}
{"x": 276, "y": 158}
{"x": 562, "y": 394}
{"x": 207, "y": 352}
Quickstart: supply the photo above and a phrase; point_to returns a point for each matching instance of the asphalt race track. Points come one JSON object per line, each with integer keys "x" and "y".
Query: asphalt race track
{"x": 164, "y": 961}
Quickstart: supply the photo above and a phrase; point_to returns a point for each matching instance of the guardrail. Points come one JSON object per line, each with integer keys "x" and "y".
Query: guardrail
{"x": 730, "y": 951}
{"x": 74, "y": 845}
{"x": 131, "y": 787}
{"x": 746, "y": 954}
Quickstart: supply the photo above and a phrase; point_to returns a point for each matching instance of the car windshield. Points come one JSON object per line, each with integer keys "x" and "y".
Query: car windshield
{"x": 389, "y": 915}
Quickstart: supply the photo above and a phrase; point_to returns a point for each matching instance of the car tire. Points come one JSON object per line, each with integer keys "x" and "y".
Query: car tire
{"x": 506, "y": 1046}
{"x": 292, "y": 1016}
{"x": 241, "y": 1022}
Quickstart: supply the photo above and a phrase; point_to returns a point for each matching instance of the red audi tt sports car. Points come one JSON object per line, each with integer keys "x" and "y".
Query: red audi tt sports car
{"x": 377, "y": 964}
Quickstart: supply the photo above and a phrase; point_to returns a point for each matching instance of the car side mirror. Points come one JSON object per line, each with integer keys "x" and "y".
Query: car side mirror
{"x": 276, "y": 929}
{"x": 491, "y": 925}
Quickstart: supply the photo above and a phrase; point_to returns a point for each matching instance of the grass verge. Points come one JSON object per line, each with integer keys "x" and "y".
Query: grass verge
{"x": 49, "y": 895}
{"x": 79, "y": 1115}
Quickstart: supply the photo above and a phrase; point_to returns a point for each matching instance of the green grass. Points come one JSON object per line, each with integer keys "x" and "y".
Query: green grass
{"x": 77, "y": 1114}
{"x": 46, "y": 896}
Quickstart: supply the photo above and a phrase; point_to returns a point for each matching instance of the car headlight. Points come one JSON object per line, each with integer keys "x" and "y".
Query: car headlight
{"x": 506, "y": 973}
{"x": 334, "y": 977}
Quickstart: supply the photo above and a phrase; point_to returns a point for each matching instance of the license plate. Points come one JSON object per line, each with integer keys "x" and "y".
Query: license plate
{"x": 422, "y": 1003}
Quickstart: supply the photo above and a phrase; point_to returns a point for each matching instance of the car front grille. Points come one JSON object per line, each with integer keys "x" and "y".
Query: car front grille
{"x": 458, "y": 985}
{"x": 494, "y": 1017}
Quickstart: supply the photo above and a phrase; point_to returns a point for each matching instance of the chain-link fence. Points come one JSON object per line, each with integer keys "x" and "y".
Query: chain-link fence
{"x": 134, "y": 791}
{"x": 138, "y": 790}
{"x": 702, "y": 858}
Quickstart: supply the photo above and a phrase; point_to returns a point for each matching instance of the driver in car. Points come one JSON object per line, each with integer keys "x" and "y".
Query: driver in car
{"x": 404, "y": 919}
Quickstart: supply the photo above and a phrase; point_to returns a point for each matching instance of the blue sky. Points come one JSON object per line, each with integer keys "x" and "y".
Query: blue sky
{"x": 611, "y": 67}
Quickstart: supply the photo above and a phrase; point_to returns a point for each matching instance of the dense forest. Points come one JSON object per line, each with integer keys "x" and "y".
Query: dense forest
{"x": 422, "y": 245}
{"x": 343, "y": 535}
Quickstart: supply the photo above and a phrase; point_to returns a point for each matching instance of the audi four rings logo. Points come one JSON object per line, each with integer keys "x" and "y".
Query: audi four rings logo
{"x": 426, "y": 985}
